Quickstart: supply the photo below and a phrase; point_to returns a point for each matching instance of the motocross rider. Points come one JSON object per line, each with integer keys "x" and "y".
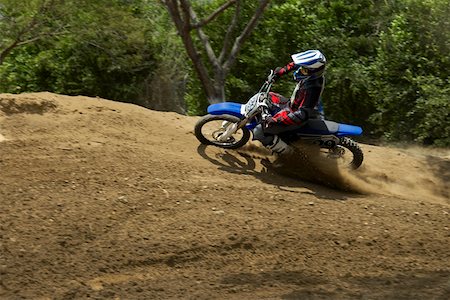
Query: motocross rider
{"x": 290, "y": 114}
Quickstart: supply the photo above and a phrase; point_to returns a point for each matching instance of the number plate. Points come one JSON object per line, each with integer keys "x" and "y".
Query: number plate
{"x": 251, "y": 104}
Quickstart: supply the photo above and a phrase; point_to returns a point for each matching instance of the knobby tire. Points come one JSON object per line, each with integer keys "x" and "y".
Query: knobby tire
{"x": 208, "y": 118}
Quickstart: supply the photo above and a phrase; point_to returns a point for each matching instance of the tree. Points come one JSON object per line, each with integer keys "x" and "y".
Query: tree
{"x": 212, "y": 78}
{"x": 25, "y": 22}
{"x": 344, "y": 30}
{"x": 95, "y": 56}
{"x": 410, "y": 81}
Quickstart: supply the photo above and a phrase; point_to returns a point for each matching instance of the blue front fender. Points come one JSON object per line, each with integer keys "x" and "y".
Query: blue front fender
{"x": 225, "y": 108}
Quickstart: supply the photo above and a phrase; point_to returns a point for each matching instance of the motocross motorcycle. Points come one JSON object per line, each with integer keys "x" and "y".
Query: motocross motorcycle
{"x": 228, "y": 125}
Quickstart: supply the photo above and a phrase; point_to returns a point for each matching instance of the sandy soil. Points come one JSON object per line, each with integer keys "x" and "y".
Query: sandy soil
{"x": 107, "y": 200}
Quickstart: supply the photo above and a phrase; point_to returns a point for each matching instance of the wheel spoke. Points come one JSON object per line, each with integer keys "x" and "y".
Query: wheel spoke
{"x": 210, "y": 130}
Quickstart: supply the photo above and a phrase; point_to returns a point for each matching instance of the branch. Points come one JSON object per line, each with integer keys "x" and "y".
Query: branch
{"x": 29, "y": 27}
{"x": 213, "y": 15}
{"x": 4, "y": 53}
{"x": 226, "y": 41}
{"x": 203, "y": 37}
{"x": 184, "y": 32}
{"x": 245, "y": 34}
{"x": 186, "y": 7}
{"x": 48, "y": 33}
{"x": 172, "y": 7}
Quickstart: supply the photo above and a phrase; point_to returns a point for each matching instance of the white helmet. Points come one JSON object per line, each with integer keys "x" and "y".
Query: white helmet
{"x": 311, "y": 59}
{"x": 310, "y": 64}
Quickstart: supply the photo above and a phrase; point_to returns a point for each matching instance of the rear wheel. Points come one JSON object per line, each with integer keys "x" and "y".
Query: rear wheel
{"x": 209, "y": 130}
{"x": 347, "y": 152}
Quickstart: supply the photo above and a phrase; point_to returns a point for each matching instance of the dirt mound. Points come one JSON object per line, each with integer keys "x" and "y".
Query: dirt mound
{"x": 9, "y": 105}
{"x": 100, "y": 199}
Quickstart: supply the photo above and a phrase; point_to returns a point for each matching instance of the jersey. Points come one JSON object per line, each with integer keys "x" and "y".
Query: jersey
{"x": 305, "y": 98}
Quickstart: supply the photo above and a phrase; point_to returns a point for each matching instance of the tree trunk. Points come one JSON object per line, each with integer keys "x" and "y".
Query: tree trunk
{"x": 218, "y": 86}
{"x": 185, "y": 20}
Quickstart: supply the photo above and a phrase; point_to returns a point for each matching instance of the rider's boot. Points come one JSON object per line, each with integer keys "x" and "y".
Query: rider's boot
{"x": 279, "y": 146}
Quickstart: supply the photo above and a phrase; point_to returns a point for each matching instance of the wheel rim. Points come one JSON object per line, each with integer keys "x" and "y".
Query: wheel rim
{"x": 339, "y": 156}
{"x": 214, "y": 129}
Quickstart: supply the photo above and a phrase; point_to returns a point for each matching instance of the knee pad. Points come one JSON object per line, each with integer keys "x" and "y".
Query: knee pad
{"x": 279, "y": 146}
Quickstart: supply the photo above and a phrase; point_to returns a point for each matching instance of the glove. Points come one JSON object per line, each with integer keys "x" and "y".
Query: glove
{"x": 277, "y": 71}
{"x": 276, "y": 74}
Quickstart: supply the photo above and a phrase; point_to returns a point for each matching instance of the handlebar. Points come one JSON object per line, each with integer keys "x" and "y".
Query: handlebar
{"x": 264, "y": 95}
{"x": 265, "y": 88}
{"x": 271, "y": 76}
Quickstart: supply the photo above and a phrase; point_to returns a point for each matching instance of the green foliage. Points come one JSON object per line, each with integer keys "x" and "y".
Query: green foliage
{"x": 195, "y": 98}
{"x": 388, "y": 62}
{"x": 433, "y": 109}
{"x": 344, "y": 30}
{"x": 32, "y": 15}
{"x": 98, "y": 56}
{"x": 411, "y": 74}
{"x": 388, "y": 70}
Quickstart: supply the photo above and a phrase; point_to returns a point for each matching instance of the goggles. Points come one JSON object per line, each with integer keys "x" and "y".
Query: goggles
{"x": 304, "y": 71}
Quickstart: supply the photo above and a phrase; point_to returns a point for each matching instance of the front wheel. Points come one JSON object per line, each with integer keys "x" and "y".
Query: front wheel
{"x": 212, "y": 130}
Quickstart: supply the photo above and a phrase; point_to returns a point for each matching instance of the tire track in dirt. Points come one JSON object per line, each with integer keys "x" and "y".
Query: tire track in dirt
{"x": 108, "y": 200}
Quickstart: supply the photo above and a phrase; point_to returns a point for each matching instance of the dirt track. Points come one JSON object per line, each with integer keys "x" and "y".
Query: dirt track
{"x": 106, "y": 200}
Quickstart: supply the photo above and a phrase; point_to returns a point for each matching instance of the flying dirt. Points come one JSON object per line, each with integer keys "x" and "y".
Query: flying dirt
{"x": 108, "y": 200}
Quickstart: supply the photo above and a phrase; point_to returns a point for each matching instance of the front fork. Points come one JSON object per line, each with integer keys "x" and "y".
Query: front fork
{"x": 230, "y": 130}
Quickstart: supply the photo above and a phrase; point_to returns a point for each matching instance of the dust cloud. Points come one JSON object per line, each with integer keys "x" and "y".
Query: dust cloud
{"x": 390, "y": 172}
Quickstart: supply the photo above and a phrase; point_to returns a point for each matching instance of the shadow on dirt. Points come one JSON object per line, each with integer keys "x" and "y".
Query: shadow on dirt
{"x": 430, "y": 285}
{"x": 287, "y": 173}
{"x": 266, "y": 278}
{"x": 29, "y": 106}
